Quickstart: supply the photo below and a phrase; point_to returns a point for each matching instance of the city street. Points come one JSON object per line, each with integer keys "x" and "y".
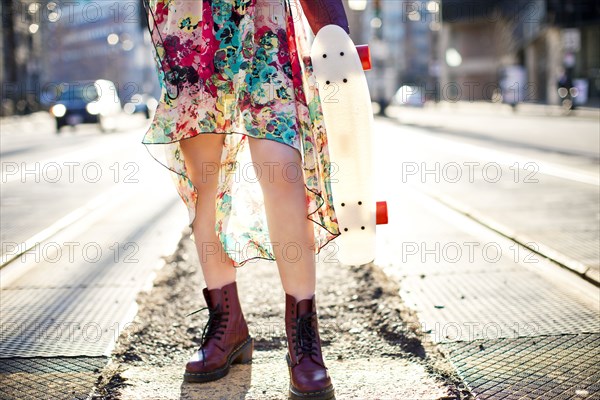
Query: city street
{"x": 493, "y": 245}
{"x": 46, "y": 177}
{"x": 85, "y": 222}
{"x": 482, "y": 284}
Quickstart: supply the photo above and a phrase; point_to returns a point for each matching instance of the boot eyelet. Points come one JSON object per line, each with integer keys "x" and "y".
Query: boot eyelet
{"x": 227, "y": 306}
{"x": 225, "y": 291}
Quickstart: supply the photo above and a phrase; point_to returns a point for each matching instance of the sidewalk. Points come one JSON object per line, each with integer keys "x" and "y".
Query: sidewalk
{"x": 495, "y": 124}
{"x": 522, "y": 109}
{"x": 18, "y": 124}
{"x": 372, "y": 343}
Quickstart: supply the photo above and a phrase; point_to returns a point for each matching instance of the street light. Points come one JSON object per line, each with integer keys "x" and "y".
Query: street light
{"x": 433, "y": 6}
{"x": 33, "y": 8}
{"x": 126, "y": 42}
{"x": 53, "y": 14}
{"x": 357, "y": 5}
{"x": 414, "y": 16}
{"x": 112, "y": 39}
{"x": 435, "y": 26}
{"x": 453, "y": 57}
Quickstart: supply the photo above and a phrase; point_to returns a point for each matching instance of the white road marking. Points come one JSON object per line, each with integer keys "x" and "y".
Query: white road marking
{"x": 103, "y": 201}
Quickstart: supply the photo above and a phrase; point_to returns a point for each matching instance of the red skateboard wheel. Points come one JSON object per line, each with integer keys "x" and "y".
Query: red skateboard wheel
{"x": 381, "y": 215}
{"x": 364, "y": 53}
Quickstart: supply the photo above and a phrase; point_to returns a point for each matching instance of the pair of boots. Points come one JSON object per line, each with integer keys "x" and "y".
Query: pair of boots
{"x": 225, "y": 341}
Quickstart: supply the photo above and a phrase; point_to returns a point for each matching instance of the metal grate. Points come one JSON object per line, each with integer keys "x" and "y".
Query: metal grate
{"x": 62, "y": 322}
{"x": 543, "y": 367}
{"x": 49, "y": 378}
{"x": 497, "y": 304}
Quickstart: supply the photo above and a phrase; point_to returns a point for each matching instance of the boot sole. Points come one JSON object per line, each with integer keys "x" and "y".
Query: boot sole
{"x": 326, "y": 394}
{"x": 242, "y": 354}
{"x": 295, "y": 394}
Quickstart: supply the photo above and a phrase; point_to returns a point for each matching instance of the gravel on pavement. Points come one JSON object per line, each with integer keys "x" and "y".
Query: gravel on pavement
{"x": 372, "y": 343}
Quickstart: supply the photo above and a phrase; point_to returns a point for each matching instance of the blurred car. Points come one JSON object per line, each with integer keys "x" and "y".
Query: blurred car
{"x": 141, "y": 103}
{"x": 412, "y": 96}
{"x": 87, "y": 102}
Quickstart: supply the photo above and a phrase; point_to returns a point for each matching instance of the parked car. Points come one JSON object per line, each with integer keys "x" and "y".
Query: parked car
{"x": 141, "y": 103}
{"x": 87, "y": 102}
{"x": 412, "y": 96}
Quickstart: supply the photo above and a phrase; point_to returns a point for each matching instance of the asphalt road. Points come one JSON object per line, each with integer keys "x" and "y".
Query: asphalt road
{"x": 85, "y": 220}
{"x": 50, "y": 181}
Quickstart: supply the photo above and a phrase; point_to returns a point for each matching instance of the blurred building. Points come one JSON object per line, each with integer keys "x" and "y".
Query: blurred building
{"x": 515, "y": 50}
{"x": 400, "y": 34}
{"x": 472, "y": 50}
{"x": 20, "y": 67}
{"x": 101, "y": 40}
{"x": 46, "y": 43}
{"x": 518, "y": 50}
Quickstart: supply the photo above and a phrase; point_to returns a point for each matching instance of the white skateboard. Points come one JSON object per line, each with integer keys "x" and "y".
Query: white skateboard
{"x": 338, "y": 66}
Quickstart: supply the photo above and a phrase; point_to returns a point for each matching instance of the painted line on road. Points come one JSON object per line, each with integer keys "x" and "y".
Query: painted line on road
{"x": 103, "y": 201}
{"x": 507, "y": 158}
{"x": 543, "y": 266}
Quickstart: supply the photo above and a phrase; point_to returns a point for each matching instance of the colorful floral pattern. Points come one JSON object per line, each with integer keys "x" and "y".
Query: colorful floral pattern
{"x": 239, "y": 67}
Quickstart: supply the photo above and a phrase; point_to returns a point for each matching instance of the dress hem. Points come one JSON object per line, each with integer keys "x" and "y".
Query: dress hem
{"x": 241, "y": 264}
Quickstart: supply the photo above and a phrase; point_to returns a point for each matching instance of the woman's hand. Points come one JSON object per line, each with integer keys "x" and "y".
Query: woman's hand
{"x": 325, "y": 12}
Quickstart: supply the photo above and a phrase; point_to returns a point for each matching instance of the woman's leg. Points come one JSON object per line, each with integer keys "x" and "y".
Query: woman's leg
{"x": 279, "y": 170}
{"x": 281, "y": 177}
{"x": 225, "y": 337}
{"x": 202, "y": 156}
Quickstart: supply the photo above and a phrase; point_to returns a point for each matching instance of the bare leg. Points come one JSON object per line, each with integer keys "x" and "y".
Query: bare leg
{"x": 281, "y": 178}
{"x": 202, "y": 156}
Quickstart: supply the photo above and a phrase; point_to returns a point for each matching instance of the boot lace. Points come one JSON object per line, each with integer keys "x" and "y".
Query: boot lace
{"x": 214, "y": 327}
{"x": 305, "y": 336}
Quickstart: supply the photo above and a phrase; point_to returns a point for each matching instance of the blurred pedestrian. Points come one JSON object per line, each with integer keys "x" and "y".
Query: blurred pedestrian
{"x": 566, "y": 89}
{"x": 240, "y": 126}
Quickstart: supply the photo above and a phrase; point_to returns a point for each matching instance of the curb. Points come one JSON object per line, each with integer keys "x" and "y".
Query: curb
{"x": 583, "y": 271}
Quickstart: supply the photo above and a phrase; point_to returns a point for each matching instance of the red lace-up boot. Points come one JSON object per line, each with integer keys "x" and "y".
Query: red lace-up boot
{"x": 225, "y": 339}
{"x": 309, "y": 378}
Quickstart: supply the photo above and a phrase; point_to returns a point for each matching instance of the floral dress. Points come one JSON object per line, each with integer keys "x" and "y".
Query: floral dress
{"x": 239, "y": 67}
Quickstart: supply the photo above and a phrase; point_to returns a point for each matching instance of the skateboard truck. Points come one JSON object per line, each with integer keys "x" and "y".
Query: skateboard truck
{"x": 364, "y": 53}
{"x": 381, "y": 213}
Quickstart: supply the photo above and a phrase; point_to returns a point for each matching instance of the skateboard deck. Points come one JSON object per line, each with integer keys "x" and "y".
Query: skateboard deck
{"x": 348, "y": 119}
